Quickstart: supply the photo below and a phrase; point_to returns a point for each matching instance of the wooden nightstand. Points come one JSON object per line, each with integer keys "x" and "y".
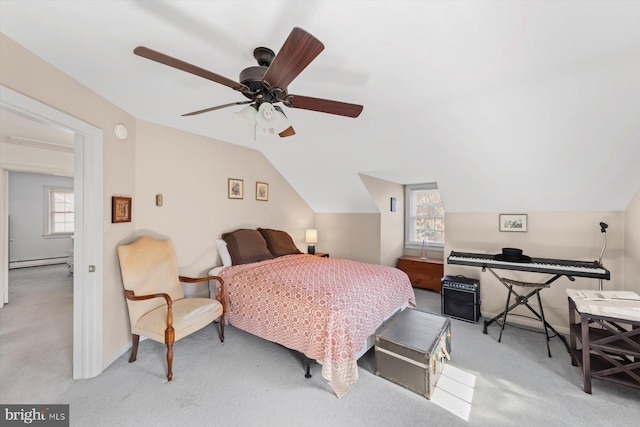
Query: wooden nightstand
{"x": 321, "y": 255}
{"x": 423, "y": 273}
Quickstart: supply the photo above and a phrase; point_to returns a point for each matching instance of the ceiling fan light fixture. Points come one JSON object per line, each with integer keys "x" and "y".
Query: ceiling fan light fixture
{"x": 284, "y": 121}
{"x": 267, "y": 120}
{"x": 263, "y": 131}
{"x": 270, "y": 117}
{"x": 266, "y": 112}
{"x": 247, "y": 116}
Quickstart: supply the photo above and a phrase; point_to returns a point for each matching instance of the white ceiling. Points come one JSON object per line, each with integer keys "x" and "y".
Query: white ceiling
{"x": 17, "y": 129}
{"x": 510, "y": 106}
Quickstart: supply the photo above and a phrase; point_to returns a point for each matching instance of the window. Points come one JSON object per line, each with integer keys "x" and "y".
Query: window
{"x": 424, "y": 216}
{"x": 60, "y": 212}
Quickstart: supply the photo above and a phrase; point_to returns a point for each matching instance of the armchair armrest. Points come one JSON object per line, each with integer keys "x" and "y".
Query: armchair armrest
{"x": 133, "y": 297}
{"x": 199, "y": 279}
{"x": 169, "y": 332}
{"x": 186, "y": 279}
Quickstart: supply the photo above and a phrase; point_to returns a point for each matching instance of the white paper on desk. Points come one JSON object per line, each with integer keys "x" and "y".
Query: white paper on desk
{"x": 608, "y": 295}
{"x": 628, "y": 313}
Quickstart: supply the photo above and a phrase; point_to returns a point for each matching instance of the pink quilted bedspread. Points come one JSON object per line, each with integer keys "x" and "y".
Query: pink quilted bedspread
{"x": 323, "y": 307}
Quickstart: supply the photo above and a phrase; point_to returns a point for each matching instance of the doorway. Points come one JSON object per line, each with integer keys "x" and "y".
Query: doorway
{"x": 87, "y": 280}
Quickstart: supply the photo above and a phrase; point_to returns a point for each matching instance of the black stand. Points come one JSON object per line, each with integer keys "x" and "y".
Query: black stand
{"x": 308, "y": 373}
{"x": 524, "y": 300}
{"x": 603, "y": 230}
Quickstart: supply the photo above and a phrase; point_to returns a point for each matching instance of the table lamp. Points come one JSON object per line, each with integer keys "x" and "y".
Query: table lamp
{"x": 311, "y": 237}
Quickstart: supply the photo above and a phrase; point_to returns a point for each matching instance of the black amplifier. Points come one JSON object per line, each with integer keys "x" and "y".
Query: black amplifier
{"x": 460, "y": 297}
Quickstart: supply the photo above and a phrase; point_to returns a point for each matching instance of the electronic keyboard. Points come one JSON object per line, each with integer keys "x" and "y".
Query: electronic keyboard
{"x": 561, "y": 267}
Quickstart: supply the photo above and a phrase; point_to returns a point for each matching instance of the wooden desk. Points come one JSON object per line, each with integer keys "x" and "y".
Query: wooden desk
{"x": 609, "y": 351}
{"x": 423, "y": 273}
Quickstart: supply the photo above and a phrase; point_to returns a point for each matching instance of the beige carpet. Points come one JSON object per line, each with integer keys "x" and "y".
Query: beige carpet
{"x": 247, "y": 381}
{"x": 36, "y": 334}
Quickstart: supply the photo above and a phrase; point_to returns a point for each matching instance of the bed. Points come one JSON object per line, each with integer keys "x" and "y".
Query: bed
{"x": 326, "y": 308}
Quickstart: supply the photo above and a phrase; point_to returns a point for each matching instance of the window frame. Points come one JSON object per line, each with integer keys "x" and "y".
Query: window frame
{"x": 49, "y": 193}
{"x": 408, "y": 221}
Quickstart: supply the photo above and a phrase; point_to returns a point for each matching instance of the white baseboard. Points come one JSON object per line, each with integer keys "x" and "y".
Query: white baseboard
{"x": 38, "y": 262}
{"x": 116, "y": 355}
{"x": 125, "y": 348}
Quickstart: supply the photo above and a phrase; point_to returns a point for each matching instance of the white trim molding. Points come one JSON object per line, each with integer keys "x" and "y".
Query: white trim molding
{"x": 87, "y": 286}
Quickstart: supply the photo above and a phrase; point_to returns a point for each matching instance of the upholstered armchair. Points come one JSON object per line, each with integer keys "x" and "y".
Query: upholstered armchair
{"x": 155, "y": 299}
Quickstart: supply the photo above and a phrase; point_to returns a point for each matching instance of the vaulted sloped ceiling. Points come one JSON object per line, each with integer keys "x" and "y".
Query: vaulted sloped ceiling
{"x": 509, "y": 106}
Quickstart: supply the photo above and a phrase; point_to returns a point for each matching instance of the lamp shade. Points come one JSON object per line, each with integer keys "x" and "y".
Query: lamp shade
{"x": 271, "y": 118}
{"x": 311, "y": 236}
{"x": 247, "y": 116}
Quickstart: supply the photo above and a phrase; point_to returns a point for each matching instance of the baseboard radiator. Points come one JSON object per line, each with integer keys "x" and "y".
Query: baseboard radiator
{"x": 38, "y": 262}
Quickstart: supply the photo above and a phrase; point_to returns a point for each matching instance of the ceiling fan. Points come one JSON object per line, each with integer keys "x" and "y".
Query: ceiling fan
{"x": 267, "y": 83}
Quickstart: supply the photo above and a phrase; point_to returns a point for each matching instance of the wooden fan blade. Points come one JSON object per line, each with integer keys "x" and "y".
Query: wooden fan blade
{"x": 296, "y": 53}
{"x": 153, "y": 55}
{"x": 206, "y": 110}
{"x": 324, "y": 106}
{"x": 287, "y": 132}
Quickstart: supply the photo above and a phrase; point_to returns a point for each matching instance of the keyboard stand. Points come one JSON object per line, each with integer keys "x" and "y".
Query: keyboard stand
{"x": 520, "y": 299}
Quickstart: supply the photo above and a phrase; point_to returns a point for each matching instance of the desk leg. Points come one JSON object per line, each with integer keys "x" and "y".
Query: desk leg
{"x": 572, "y": 335}
{"x": 586, "y": 354}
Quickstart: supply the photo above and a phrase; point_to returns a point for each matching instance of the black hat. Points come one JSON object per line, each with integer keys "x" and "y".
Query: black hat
{"x": 512, "y": 255}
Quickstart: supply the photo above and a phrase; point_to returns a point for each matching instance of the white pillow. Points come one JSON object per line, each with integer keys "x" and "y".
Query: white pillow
{"x": 223, "y": 251}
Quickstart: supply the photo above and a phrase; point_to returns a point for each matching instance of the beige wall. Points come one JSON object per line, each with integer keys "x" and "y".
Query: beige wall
{"x": 560, "y": 235}
{"x": 632, "y": 245}
{"x": 376, "y": 237}
{"x": 391, "y": 223}
{"x": 191, "y": 173}
{"x": 349, "y": 236}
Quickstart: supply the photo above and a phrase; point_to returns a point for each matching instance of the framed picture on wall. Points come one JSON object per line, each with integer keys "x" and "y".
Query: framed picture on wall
{"x": 120, "y": 209}
{"x": 262, "y": 191}
{"x": 235, "y": 188}
{"x": 513, "y": 222}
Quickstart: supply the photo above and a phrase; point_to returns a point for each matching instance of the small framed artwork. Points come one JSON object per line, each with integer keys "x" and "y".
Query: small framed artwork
{"x": 262, "y": 191}
{"x": 236, "y": 188}
{"x": 393, "y": 204}
{"x": 513, "y": 222}
{"x": 120, "y": 209}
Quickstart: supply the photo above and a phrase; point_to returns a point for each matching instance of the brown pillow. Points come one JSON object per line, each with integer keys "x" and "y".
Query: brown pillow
{"x": 246, "y": 246}
{"x": 279, "y": 242}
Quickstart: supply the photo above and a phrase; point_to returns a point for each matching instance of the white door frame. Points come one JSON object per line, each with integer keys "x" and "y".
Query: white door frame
{"x": 87, "y": 285}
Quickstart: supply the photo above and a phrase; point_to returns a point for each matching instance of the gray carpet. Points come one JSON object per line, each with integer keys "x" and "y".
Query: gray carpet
{"x": 247, "y": 381}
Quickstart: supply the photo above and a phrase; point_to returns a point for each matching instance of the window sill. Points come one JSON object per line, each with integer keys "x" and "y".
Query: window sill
{"x": 430, "y": 248}
{"x": 57, "y": 236}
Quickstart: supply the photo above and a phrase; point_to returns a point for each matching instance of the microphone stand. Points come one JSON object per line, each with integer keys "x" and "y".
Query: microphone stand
{"x": 603, "y": 229}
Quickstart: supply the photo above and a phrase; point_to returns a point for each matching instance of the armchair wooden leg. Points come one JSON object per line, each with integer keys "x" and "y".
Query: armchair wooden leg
{"x": 169, "y": 361}
{"x": 169, "y": 339}
{"x": 134, "y": 349}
